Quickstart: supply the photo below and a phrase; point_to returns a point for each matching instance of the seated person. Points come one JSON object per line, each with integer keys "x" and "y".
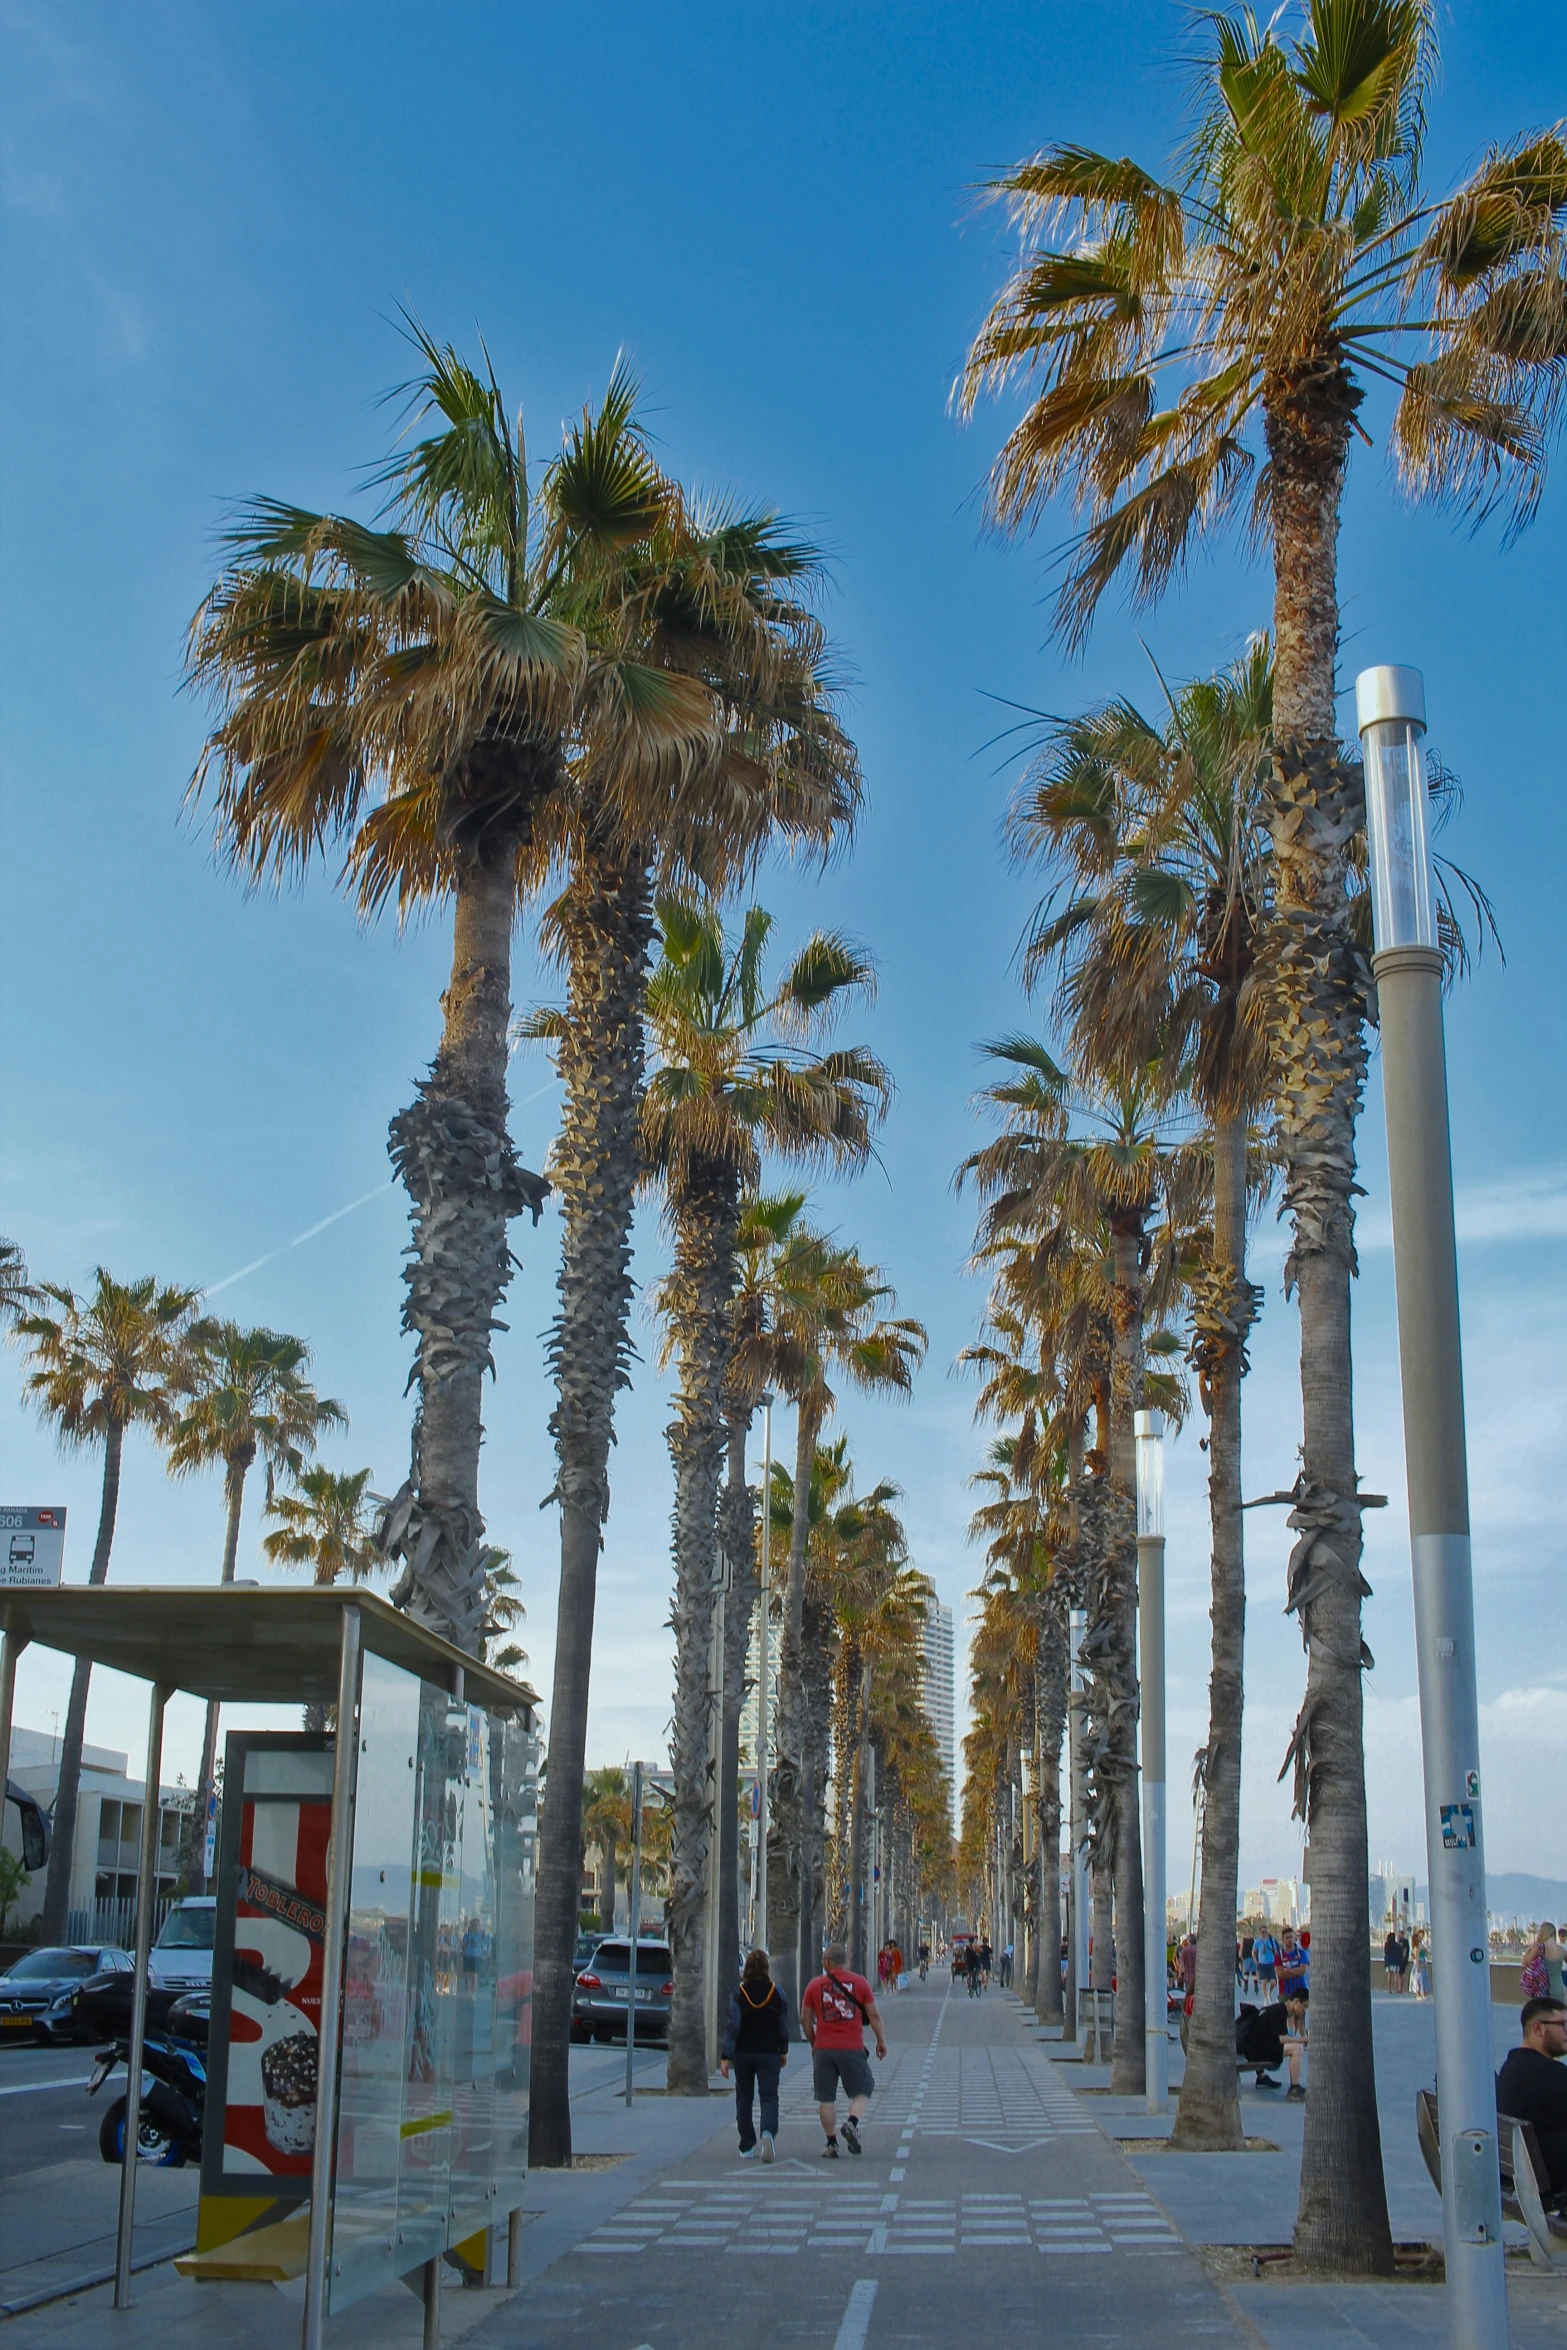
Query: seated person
{"x": 1532, "y": 2084}
{"x": 1259, "y": 2039}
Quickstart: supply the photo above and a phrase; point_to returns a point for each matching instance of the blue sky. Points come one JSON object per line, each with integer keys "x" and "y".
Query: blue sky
{"x": 210, "y": 216}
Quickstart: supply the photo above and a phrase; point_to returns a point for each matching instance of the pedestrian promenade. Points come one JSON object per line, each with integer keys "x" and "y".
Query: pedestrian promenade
{"x": 998, "y": 2193}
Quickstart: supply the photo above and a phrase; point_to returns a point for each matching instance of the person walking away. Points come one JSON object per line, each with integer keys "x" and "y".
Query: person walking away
{"x": 756, "y": 2049}
{"x": 1006, "y": 1968}
{"x": 971, "y": 1974}
{"x": 895, "y": 1972}
{"x": 1403, "y": 1959}
{"x": 1248, "y": 1979}
{"x": 1265, "y": 1954}
{"x": 835, "y": 2009}
{"x": 1390, "y": 1959}
{"x": 985, "y": 1960}
{"x": 1532, "y": 2084}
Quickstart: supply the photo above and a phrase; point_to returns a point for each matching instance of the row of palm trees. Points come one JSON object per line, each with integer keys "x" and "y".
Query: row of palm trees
{"x": 140, "y": 1354}
{"x": 1197, "y": 347}
{"x": 574, "y": 688}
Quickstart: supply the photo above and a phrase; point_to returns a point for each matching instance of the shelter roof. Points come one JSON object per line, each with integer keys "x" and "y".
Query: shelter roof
{"x": 242, "y": 1645}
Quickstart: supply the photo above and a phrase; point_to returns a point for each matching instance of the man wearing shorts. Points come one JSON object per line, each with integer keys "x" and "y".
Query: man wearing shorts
{"x": 835, "y": 2010}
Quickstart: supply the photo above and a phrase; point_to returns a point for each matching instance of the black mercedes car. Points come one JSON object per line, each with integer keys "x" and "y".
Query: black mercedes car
{"x": 42, "y": 1977}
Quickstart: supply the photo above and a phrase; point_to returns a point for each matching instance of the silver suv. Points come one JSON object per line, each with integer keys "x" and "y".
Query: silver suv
{"x": 599, "y": 2003}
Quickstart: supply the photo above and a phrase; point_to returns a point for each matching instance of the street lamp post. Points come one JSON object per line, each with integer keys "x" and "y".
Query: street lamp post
{"x": 760, "y": 1929}
{"x": 1150, "y": 1619}
{"x": 1390, "y": 714}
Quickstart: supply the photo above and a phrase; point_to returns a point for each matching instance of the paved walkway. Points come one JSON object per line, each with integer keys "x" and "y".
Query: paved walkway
{"x": 994, "y": 2196}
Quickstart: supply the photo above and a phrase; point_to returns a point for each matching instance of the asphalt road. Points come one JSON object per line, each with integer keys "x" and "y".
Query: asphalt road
{"x": 46, "y": 2115}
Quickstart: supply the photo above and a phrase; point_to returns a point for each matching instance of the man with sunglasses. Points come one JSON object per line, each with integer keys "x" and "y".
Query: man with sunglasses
{"x": 1532, "y": 2084}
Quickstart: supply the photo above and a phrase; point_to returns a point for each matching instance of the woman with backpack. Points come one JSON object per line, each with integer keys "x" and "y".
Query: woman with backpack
{"x": 756, "y": 2046}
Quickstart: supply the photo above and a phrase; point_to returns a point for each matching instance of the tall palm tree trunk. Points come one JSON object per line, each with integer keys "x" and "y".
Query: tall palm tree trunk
{"x": 858, "y": 1953}
{"x": 737, "y": 1539}
{"x": 454, "y": 1156}
{"x": 840, "y": 1886}
{"x": 816, "y": 1658}
{"x": 62, "y": 1828}
{"x": 1208, "y": 2114}
{"x": 699, "y": 1291}
{"x": 609, "y": 929}
{"x": 786, "y": 1840}
{"x": 1052, "y": 1696}
{"x": 1318, "y": 984}
{"x": 1129, "y": 2073}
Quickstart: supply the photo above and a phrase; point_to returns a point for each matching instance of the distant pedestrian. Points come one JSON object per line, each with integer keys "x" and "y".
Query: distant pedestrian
{"x": 1403, "y": 1961}
{"x": 1419, "y": 1966}
{"x": 1535, "y": 1979}
{"x": 756, "y": 2047}
{"x": 1290, "y": 1967}
{"x": 1390, "y": 1959}
{"x": 1264, "y": 1957}
{"x": 1006, "y": 1968}
{"x": 835, "y": 2010}
{"x": 1188, "y": 1963}
{"x": 985, "y": 1960}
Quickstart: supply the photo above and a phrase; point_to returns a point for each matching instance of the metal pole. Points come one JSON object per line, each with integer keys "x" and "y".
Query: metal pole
{"x": 431, "y": 2337}
{"x": 636, "y": 1922}
{"x": 339, "y": 1862}
{"x": 1390, "y": 710}
{"x": 762, "y": 1690}
{"x": 146, "y": 1891}
{"x": 1150, "y": 1617}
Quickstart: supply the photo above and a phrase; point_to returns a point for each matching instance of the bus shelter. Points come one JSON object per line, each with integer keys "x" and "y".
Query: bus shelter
{"x": 367, "y": 2094}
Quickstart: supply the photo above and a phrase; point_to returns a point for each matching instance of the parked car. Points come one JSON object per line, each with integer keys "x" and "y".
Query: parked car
{"x": 182, "y": 1955}
{"x": 38, "y": 1980}
{"x": 586, "y": 1945}
{"x": 599, "y": 2002}
{"x": 99, "y": 2009}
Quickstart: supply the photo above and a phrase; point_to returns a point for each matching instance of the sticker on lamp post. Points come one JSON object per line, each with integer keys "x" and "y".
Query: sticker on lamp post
{"x": 32, "y": 1548}
{"x": 1458, "y": 1827}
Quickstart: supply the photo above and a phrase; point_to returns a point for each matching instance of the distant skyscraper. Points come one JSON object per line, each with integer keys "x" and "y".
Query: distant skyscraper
{"x": 936, "y": 1687}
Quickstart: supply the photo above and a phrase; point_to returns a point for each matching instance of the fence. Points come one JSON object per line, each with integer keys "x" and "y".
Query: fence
{"x": 114, "y": 1921}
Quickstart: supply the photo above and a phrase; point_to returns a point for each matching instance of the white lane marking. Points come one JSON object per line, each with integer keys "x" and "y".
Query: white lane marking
{"x": 857, "y": 2317}
{"x": 38, "y": 2088}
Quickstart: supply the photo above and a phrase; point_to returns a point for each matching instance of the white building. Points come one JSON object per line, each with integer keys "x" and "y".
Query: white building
{"x": 936, "y": 1684}
{"x": 108, "y": 1834}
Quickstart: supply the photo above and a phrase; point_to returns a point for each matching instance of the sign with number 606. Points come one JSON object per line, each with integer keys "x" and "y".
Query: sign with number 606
{"x": 32, "y": 1547}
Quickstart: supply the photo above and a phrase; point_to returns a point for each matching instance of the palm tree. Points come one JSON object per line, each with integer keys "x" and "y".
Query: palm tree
{"x": 248, "y": 1395}
{"x": 413, "y": 694}
{"x": 765, "y": 1223}
{"x": 1170, "y": 329}
{"x": 1096, "y": 1161}
{"x": 99, "y": 1365}
{"x": 1158, "y": 834}
{"x": 728, "y": 612}
{"x": 503, "y": 1610}
{"x": 826, "y": 1324}
{"x": 720, "y": 1094}
{"x": 17, "y": 1292}
{"x": 607, "y": 1823}
{"x": 323, "y": 1525}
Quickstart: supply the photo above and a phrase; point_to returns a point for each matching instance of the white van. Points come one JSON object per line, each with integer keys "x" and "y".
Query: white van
{"x": 181, "y": 1957}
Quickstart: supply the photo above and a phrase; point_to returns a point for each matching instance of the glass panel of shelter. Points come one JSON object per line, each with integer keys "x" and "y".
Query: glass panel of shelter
{"x": 432, "y": 2134}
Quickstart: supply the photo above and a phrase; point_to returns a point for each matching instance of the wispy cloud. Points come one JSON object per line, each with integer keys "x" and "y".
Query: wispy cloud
{"x": 1527, "y": 1207}
{"x": 215, "y": 1287}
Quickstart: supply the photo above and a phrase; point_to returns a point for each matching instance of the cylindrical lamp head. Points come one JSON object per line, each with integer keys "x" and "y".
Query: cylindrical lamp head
{"x": 1148, "y": 1428}
{"x": 1390, "y": 710}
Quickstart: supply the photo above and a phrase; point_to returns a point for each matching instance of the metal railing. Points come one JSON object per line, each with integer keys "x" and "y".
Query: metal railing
{"x": 114, "y": 1921}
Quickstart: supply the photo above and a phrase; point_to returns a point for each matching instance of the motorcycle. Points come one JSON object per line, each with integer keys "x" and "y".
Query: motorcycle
{"x": 173, "y": 2103}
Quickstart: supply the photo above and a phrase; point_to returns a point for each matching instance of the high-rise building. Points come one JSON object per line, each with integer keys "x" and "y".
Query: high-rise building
{"x": 936, "y": 1686}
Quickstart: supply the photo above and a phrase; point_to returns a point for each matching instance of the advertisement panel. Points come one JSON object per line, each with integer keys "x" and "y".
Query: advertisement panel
{"x": 266, "y": 1991}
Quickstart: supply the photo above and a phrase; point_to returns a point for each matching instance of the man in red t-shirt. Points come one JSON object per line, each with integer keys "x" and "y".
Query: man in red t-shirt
{"x": 835, "y": 2010}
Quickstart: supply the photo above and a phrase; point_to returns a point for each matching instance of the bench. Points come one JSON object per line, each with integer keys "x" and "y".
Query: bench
{"x": 1526, "y": 2183}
